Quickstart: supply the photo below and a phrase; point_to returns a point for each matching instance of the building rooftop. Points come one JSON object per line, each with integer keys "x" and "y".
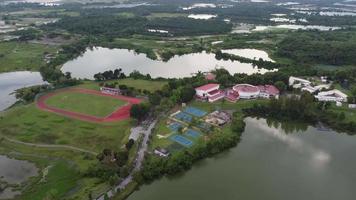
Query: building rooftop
{"x": 269, "y": 89}
{"x": 207, "y": 86}
{"x": 246, "y": 88}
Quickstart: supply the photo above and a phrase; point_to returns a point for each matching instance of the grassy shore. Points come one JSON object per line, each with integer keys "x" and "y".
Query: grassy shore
{"x": 17, "y": 56}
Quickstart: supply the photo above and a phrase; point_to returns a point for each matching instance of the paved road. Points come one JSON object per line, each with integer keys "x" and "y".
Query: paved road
{"x": 55, "y": 146}
{"x": 145, "y": 129}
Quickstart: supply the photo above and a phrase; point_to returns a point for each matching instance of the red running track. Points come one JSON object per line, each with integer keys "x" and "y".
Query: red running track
{"x": 119, "y": 114}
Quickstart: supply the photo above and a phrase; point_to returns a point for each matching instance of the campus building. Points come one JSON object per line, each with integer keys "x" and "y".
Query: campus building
{"x": 247, "y": 91}
{"x": 332, "y": 95}
{"x": 210, "y": 92}
{"x": 232, "y": 95}
{"x": 296, "y": 82}
{"x": 268, "y": 91}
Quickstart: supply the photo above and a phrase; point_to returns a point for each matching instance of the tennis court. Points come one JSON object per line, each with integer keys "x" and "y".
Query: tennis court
{"x": 175, "y": 126}
{"x": 192, "y": 133}
{"x": 195, "y": 111}
{"x": 181, "y": 140}
{"x": 183, "y": 117}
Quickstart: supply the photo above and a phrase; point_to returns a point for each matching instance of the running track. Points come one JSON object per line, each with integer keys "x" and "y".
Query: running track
{"x": 120, "y": 114}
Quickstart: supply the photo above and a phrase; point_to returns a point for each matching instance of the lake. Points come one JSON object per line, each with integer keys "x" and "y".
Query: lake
{"x": 9, "y": 82}
{"x": 300, "y": 162}
{"x": 100, "y": 59}
{"x": 249, "y": 53}
{"x": 14, "y": 172}
{"x": 296, "y": 27}
{"x": 201, "y": 16}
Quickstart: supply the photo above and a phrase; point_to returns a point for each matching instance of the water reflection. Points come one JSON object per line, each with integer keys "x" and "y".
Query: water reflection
{"x": 9, "y": 82}
{"x": 14, "y": 172}
{"x": 303, "y": 164}
{"x": 287, "y": 126}
{"x": 101, "y": 59}
{"x": 319, "y": 156}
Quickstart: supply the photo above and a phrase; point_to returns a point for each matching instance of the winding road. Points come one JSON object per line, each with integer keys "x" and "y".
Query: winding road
{"x": 145, "y": 129}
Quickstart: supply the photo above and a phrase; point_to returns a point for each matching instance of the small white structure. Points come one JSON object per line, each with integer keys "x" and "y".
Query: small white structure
{"x": 247, "y": 91}
{"x": 324, "y": 79}
{"x": 112, "y": 91}
{"x": 210, "y": 92}
{"x": 161, "y": 152}
{"x": 338, "y": 104}
{"x": 296, "y": 82}
{"x": 332, "y": 95}
{"x": 352, "y": 106}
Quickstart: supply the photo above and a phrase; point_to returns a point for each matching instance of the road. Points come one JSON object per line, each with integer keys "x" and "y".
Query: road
{"x": 145, "y": 129}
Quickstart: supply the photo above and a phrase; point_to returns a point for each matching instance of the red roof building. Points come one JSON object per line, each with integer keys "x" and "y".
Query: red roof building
{"x": 247, "y": 91}
{"x": 232, "y": 96}
{"x": 209, "y": 92}
{"x": 268, "y": 91}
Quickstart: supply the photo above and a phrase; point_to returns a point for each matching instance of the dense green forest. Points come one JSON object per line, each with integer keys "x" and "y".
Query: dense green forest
{"x": 335, "y": 48}
{"x": 109, "y": 25}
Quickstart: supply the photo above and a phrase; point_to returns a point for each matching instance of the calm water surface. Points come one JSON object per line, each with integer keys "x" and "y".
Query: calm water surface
{"x": 9, "y": 82}
{"x": 269, "y": 163}
{"x": 296, "y": 27}
{"x": 101, "y": 59}
{"x": 14, "y": 171}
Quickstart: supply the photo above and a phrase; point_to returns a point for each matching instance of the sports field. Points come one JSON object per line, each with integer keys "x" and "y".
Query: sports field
{"x": 90, "y": 104}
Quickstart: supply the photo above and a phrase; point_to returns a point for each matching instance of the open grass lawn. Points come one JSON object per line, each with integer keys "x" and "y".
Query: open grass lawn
{"x": 89, "y": 104}
{"x": 61, "y": 178}
{"x": 137, "y": 84}
{"x": 165, "y": 15}
{"x": 29, "y": 124}
{"x": 58, "y": 172}
{"x": 17, "y": 56}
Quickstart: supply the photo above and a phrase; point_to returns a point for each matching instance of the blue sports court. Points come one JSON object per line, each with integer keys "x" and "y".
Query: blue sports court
{"x": 181, "y": 140}
{"x": 192, "y": 133}
{"x": 195, "y": 111}
{"x": 175, "y": 126}
{"x": 183, "y": 117}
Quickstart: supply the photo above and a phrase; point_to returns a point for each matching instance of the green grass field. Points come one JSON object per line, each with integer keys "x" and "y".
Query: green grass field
{"x": 17, "y": 56}
{"x": 29, "y": 124}
{"x": 89, "y": 104}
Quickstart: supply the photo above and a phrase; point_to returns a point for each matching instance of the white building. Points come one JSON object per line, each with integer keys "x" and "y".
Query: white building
{"x": 332, "y": 95}
{"x": 352, "y": 105}
{"x": 296, "y": 82}
{"x": 247, "y": 91}
{"x": 112, "y": 91}
{"x": 210, "y": 92}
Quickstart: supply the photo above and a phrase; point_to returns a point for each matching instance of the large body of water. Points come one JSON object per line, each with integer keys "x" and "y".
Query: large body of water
{"x": 9, "y": 82}
{"x": 268, "y": 164}
{"x": 101, "y": 59}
